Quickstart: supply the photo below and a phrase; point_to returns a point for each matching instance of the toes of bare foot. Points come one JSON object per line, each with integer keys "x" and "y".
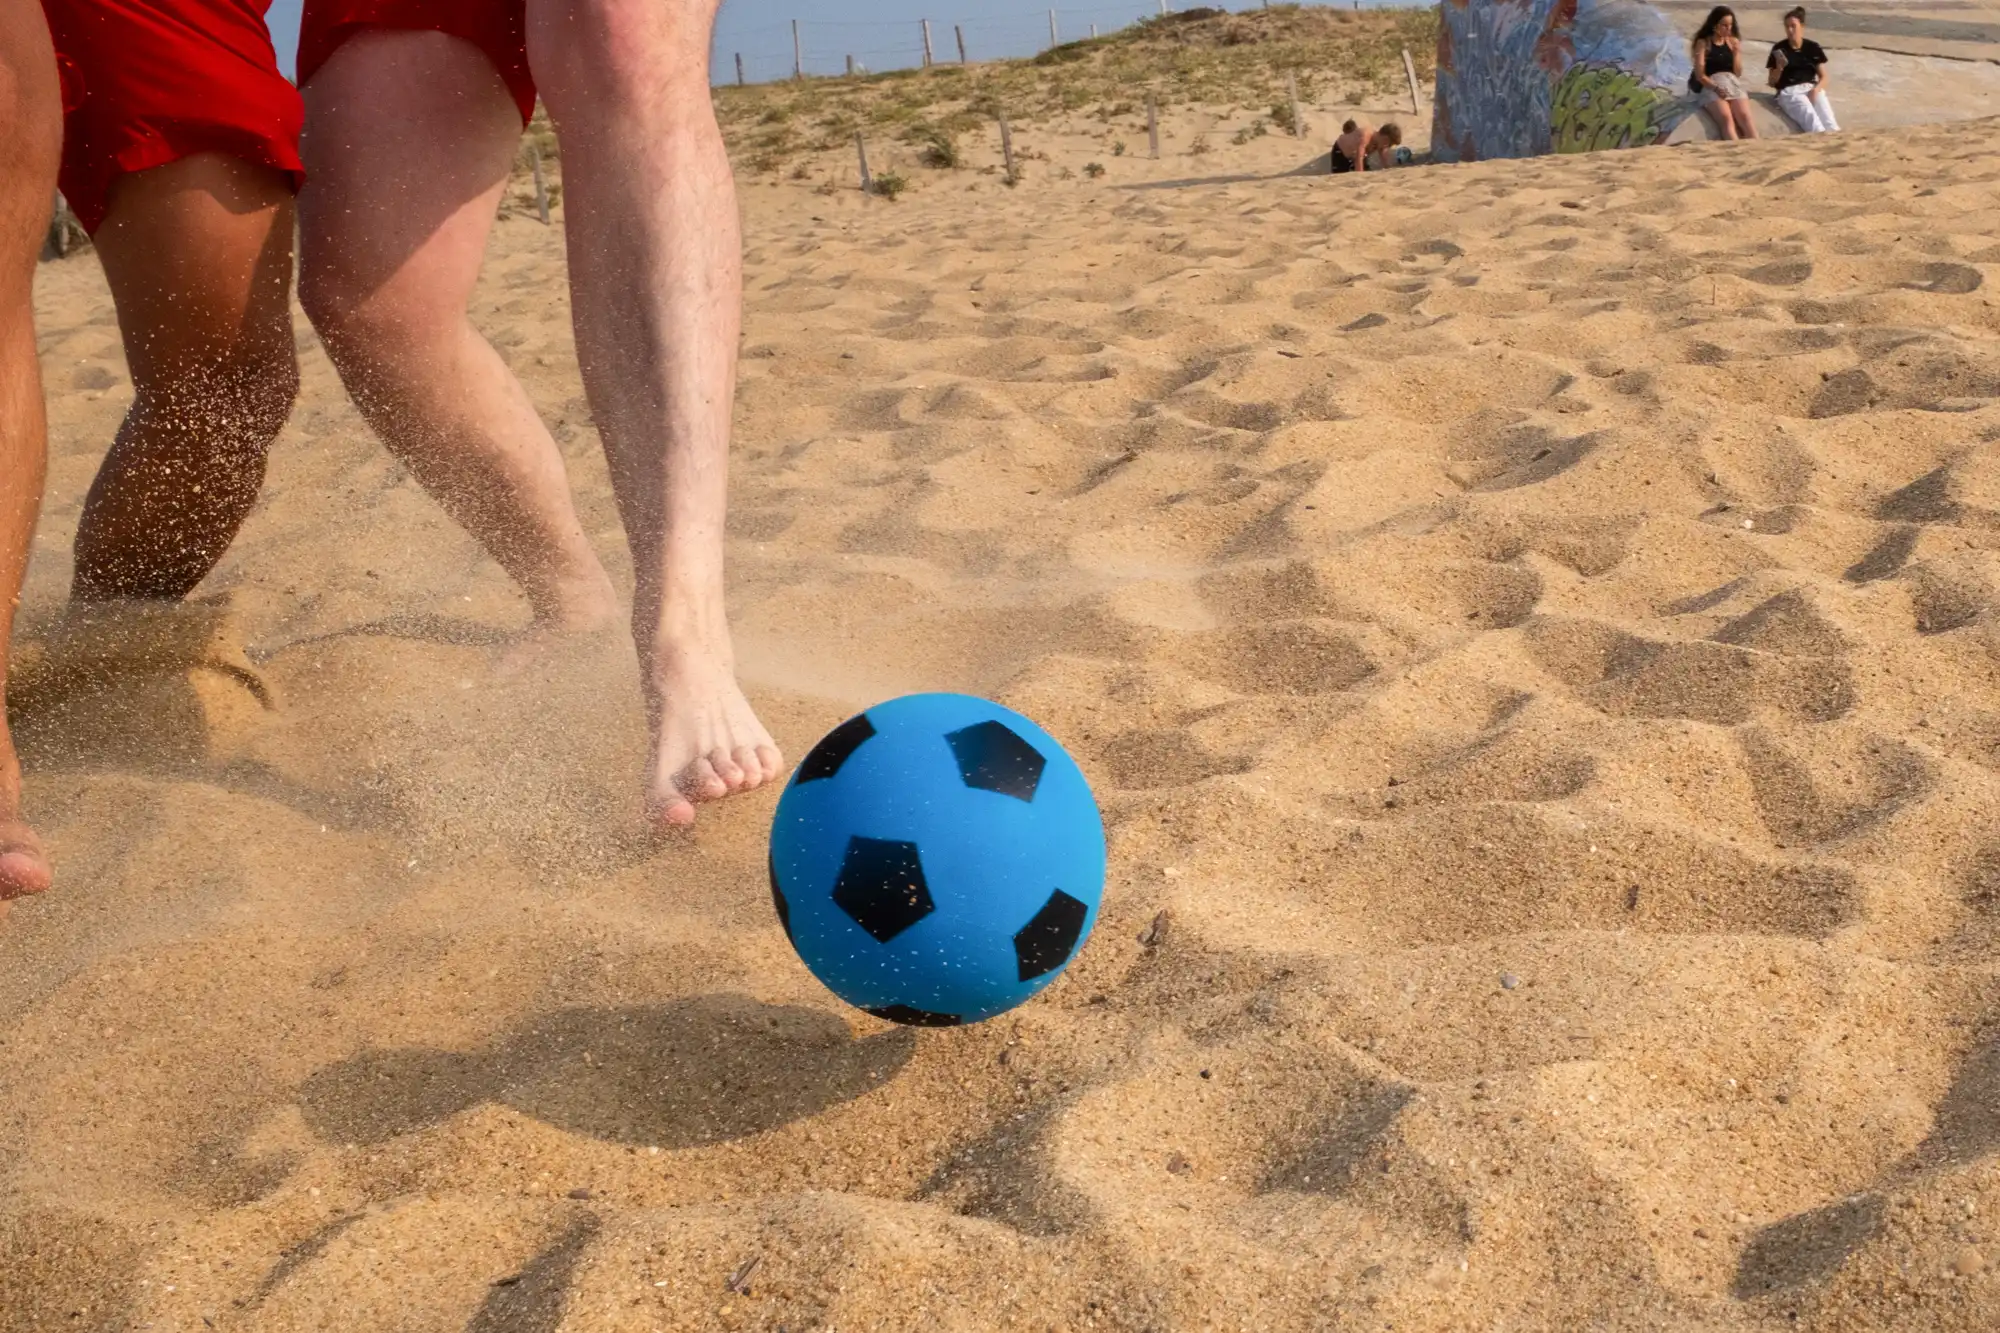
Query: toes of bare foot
{"x": 698, "y": 781}
{"x": 23, "y": 867}
{"x": 675, "y": 812}
{"x": 707, "y": 741}
{"x": 751, "y": 765}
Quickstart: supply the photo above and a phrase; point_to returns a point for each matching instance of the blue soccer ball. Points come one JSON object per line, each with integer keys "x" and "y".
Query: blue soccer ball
{"x": 937, "y": 859}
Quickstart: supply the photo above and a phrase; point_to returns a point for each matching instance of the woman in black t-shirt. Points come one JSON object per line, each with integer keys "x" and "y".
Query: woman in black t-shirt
{"x": 1798, "y": 71}
{"x": 1718, "y": 74}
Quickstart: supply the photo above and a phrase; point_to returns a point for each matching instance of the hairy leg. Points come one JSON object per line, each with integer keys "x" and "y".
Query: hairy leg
{"x": 656, "y": 273}
{"x": 409, "y": 138}
{"x": 30, "y": 142}
{"x": 199, "y": 257}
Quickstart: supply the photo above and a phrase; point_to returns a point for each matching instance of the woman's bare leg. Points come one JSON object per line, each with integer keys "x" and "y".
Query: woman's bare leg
{"x": 199, "y": 257}
{"x": 30, "y": 143}
{"x": 409, "y": 138}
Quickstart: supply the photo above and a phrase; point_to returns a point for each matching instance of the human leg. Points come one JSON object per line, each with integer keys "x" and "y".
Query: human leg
{"x": 655, "y": 255}
{"x": 1739, "y": 109}
{"x": 1797, "y": 105}
{"x": 1719, "y": 112}
{"x": 422, "y": 119}
{"x": 199, "y": 257}
{"x": 30, "y": 144}
{"x": 1824, "y": 110}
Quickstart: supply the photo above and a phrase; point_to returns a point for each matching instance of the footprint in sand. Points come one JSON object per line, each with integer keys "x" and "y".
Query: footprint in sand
{"x": 143, "y": 685}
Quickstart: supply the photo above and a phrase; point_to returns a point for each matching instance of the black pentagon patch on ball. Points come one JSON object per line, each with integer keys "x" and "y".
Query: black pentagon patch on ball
{"x": 992, "y": 758}
{"x": 825, "y": 759}
{"x": 1044, "y": 944}
{"x": 778, "y": 899}
{"x": 916, "y": 1018}
{"x": 882, "y": 887}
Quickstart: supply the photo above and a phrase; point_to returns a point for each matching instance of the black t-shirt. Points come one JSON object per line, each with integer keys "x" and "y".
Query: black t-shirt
{"x": 1800, "y": 66}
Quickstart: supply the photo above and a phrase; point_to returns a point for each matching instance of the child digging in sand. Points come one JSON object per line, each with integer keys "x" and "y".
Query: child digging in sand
{"x": 1361, "y": 147}
{"x": 180, "y": 150}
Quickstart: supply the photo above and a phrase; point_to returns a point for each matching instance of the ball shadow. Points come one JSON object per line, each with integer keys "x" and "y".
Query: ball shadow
{"x": 678, "y": 1075}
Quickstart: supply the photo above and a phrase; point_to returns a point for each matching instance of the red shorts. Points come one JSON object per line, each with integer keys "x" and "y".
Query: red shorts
{"x": 497, "y": 27}
{"x": 148, "y": 82}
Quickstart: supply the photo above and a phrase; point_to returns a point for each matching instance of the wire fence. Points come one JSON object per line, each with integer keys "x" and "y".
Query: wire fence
{"x": 783, "y": 50}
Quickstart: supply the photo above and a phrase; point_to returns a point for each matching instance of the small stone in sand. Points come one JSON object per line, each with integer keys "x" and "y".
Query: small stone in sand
{"x": 1967, "y": 1262}
{"x": 1508, "y": 981}
{"x": 1178, "y": 1165}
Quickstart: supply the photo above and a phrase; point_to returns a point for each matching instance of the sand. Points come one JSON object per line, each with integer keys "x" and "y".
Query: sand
{"x": 1530, "y": 627}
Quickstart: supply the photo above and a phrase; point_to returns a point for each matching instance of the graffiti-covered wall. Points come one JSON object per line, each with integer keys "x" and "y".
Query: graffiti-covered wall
{"x": 1521, "y": 77}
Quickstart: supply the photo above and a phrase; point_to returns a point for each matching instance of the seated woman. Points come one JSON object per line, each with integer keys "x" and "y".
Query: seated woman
{"x": 1362, "y": 148}
{"x": 1718, "y": 75}
{"x": 1798, "y": 71}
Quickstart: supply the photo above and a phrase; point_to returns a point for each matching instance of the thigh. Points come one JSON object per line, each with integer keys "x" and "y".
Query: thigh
{"x": 199, "y": 257}
{"x": 30, "y": 138}
{"x": 1792, "y": 101}
{"x": 409, "y": 140}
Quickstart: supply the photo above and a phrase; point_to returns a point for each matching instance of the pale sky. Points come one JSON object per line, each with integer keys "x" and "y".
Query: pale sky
{"x": 881, "y": 34}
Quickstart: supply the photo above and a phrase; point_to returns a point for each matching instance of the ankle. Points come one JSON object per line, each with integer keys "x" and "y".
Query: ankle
{"x": 581, "y": 601}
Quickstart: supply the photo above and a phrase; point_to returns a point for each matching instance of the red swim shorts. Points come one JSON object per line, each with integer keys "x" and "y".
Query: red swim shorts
{"x": 497, "y": 27}
{"x": 148, "y": 82}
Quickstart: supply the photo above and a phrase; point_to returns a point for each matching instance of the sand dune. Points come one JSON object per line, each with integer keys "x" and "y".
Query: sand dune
{"x": 1530, "y": 627}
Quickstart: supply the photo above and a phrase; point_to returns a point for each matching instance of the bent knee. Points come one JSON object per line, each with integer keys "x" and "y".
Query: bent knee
{"x": 372, "y": 329}
{"x": 240, "y": 400}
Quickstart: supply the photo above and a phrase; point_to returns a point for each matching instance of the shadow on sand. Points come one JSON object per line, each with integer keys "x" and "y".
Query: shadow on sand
{"x": 676, "y": 1075}
{"x": 1811, "y": 1246}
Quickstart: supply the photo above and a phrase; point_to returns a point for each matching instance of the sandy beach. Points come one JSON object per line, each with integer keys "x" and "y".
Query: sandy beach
{"x": 1530, "y": 627}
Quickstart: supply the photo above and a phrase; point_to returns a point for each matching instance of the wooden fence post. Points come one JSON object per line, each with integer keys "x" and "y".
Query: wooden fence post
{"x": 850, "y": 67}
{"x": 1410, "y": 70}
{"x": 861, "y": 151}
{"x": 798, "y": 53}
{"x": 1292, "y": 91}
{"x": 1053, "y": 39}
{"x": 959, "y": 33}
{"x": 927, "y": 43}
{"x": 1007, "y": 148}
{"x": 1153, "y": 127}
{"x": 541, "y": 184}
{"x": 739, "y": 69}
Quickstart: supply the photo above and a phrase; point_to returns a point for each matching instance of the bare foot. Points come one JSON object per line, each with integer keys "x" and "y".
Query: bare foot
{"x": 707, "y": 741}
{"x": 24, "y": 867}
{"x": 589, "y": 607}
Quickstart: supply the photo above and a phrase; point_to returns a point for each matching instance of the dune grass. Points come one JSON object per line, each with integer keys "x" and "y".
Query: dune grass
{"x": 1196, "y": 56}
